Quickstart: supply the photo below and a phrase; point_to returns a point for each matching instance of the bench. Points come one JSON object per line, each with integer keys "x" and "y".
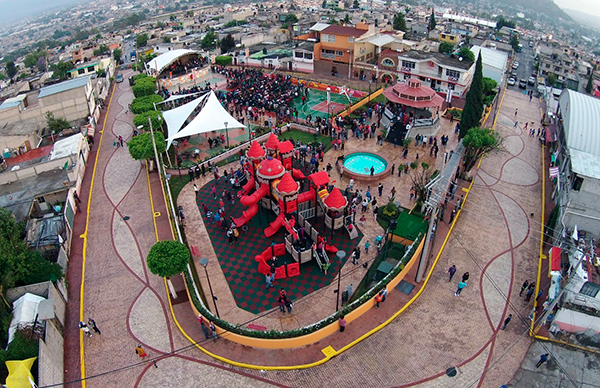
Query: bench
{"x": 195, "y": 251}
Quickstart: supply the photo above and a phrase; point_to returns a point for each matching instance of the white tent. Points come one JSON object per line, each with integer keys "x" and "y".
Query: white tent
{"x": 158, "y": 64}
{"x": 212, "y": 117}
{"x": 176, "y": 97}
{"x": 25, "y": 310}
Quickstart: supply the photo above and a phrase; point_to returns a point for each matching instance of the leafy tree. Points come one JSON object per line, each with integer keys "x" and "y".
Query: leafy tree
{"x": 145, "y": 103}
{"x": 479, "y": 141}
{"x": 55, "y": 125}
{"x": 30, "y": 60}
{"x": 117, "y": 54}
{"x": 347, "y": 18}
{"x": 355, "y": 5}
{"x": 60, "y": 70}
{"x": 400, "y": 22}
{"x": 501, "y": 22}
{"x": 471, "y": 115}
{"x": 432, "y": 22}
{"x": 289, "y": 20}
{"x": 11, "y": 69}
{"x": 227, "y": 43}
{"x": 466, "y": 54}
{"x": 324, "y": 4}
{"x": 141, "y": 40}
{"x": 23, "y": 346}
{"x": 103, "y": 49}
{"x": 172, "y": 17}
{"x": 514, "y": 42}
{"x": 2, "y": 76}
{"x": 489, "y": 85}
{"x": 142, "y": 119}
{"x": 144, "y": 87}
{"x": 420, "y": 175}
{"x": 168, "y": 258}
{"x": 41, "y": 64}
{"x": 589, "y": 88}
{"x": 446, "y": 48}
{"x": 140, "y": 146}
{"x": 160, "y": 25}
{"x": 208, "y": 42}
{"x": 223, "y": 60}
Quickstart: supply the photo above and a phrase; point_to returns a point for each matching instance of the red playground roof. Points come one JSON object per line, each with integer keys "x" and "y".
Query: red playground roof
{"x": 335, "y": 200}
{"x": 287, "y": 185}
{"x": 319, "y": 178}
{"x": 413, "y": 94}
{"x": 286, "y": 146}
{"x": 272, "y": 143}
{"x": 256, "y": 151}
{"x": 270, "y": 168}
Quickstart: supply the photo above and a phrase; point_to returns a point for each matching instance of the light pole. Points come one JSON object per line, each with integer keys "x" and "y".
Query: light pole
{"x": 204, "y": 263}
{"x": 370, "y": 82}
{"x": 340, "y": 255}
{"x": 330, "y": 127}
{"x": 349, "y": 62}
{"x": 226, "y": 133}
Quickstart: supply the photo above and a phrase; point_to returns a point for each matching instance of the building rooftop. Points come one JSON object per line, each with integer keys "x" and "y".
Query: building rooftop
{"x": 438, "y": 57}
{"x": 63, "y": 86}
{"x": 13, "y": 101}
{"x": 343, "y": 30}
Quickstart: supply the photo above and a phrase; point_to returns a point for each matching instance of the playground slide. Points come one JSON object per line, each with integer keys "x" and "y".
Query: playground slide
{"x": 251, "y": 201}
{"x": 306, "y": 196}
{"x": 297, "y": 174}
{"x": 275, "y": 225}
{"x": 246, "y": 215}
{"x": 247, "y": 187}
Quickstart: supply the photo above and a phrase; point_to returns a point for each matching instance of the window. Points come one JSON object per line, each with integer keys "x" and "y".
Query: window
{"x": 350, "y": 39}
{"x": 329, "y": 54}
{"x": 408, "y": 64}
{"x": 308, "y": 56}
{"x": 388, "y": 62}
{"x": 298, "y": 54}
{"x": 590, "y": 289}
{"x": 453, "y": 73}
{"x": 328, "y": 38}
{"x": 339, "y": 53}
{"x": 577, "y": 182}
{"x": 451, "y": 86}
{"x": 81, "y": 71}
{"x": 407, "y": 76}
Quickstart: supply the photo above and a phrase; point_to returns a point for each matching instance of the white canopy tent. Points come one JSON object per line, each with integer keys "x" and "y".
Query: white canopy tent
{"x": 212, "y": 117}
{"x": 176, "y": 97}
{"x": 158, "y": 64}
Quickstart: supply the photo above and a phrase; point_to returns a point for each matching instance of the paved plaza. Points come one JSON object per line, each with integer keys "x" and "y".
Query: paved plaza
{"x": 495, "y": 239}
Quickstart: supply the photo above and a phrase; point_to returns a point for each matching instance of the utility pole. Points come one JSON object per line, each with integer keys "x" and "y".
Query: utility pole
{"x": 432, "y": 203}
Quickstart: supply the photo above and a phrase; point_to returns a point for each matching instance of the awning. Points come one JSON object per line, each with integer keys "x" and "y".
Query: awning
{"x": 319, "y": 178}
{"x": 159, "y": 63}
{"x": 555, "y": 261}
{"x": 178, "y": 97}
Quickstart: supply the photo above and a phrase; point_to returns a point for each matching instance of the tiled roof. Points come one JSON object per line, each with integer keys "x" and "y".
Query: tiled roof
{"x": 343, "y": 30}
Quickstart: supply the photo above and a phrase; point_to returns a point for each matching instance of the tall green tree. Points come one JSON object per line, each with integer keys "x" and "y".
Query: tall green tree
{"x": 61, "y": 69}
{"x": 514, "y": 42}
{"x": 420, "y": 175}
{"x": 141, "y": 40}
{"x": 168, "y": 258}
{"x": 466, "y": 54}
{"x": 589, "y": 88}
{"x": 140, "y": 146}
{"x": 399, "y": 22}
{"x": 209, "y": 40}
{"x": 471, "y": 115}
{"x": 445, "y": 48}
{"x": 355, "y": 5}
{"x": 117, "y": 54}
{"x": 479, "y": 141}
{"x": 11, "y": 69}
{"x": 227, "y": 43}
{"x": 432, "y": 22}
{"x": 55, "y": 125}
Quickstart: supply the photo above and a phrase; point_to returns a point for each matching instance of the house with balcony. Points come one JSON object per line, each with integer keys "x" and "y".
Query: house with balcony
{"x": 441, "y": 72}
{"x": 560, "y": 62}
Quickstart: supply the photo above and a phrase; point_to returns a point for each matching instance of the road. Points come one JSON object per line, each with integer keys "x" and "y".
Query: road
{"x": 526, "y": 60}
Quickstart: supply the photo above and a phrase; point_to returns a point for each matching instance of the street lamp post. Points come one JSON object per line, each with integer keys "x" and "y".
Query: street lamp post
{"x": 370, "y": 82}
{"x": 226, "y": 133}
{"x": 349, "y": 63}
{"x": 340, "y": 255}
{"x": 329, "y": 126}
{"x": 204, "y": 263}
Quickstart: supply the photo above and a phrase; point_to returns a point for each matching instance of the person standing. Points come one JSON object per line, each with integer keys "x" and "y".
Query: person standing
{"x": 543, "y": 359}
{"x": 367, "y": 245}
{"x": 378, "y": 299}
{"x": 203, "y": 326}
{"x": 506, "y": 321}
{"x": 461, "y": 285}
{"x": 92, "y": 325}
{"x": 342, "y": 323}
{"x": 268, "y": 281}
{"x": 465, "y": 276}
{"x": 213, "y": 331}
{"x": 380, "y": 189}
{"x": 196, "y": 190}
{"x": 530, "y": 291}
{"x": 86, "y": 330}
{"x": 524, "y": 287}
{"x": 451, "y": 272}
{"x": 281, "y": 302}
{"x": 141, "y": 352}
{"x": 452, "y": 215}
{"x": 289, "y": 305}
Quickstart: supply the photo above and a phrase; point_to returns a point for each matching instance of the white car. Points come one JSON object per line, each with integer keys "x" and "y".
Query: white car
{"x": 512, "y": 81}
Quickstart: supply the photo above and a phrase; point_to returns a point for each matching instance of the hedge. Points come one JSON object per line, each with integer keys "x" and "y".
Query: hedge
{"x": 144, "y": 104}
{"x": 223, "y": 60}
{"x": 142, "y": 119}
{"x": 144, "y": 87}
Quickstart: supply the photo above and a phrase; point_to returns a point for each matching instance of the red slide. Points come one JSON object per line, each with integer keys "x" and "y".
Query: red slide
{"x": 275, "y": 225}
{"x": 297, "y": 174}
{"x": 306, "y": 196}
{"x": 247, "y": 187}
{"x": 251, "y": 201}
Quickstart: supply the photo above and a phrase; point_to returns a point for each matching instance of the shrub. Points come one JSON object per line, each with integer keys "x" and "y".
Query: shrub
{"x": 391, "y": 211}
{"x": 144, "y": 87}
{"x": 141, "y": 148}
{"x": 223, "y": 60}
{"x": 145, "y": 103}
{"x": 142, "y": 119}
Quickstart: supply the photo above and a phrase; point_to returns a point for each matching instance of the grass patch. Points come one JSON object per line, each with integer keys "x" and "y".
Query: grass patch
{"x": 177, "y": 183}
{"x": 306, "y": 138}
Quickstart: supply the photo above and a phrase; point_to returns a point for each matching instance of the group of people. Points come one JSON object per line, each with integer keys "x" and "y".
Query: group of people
{"x": 463, "y": 282}
{"x": 89, "y": 327}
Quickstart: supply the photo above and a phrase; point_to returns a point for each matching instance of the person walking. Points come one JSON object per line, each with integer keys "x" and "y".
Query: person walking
{"x": 465, "y": 276}
{"x": 378, "y": 299}
{"x": 92, "y": 325}
{"x": 543, "y": 359}
{"x": 269, "y": 281}
{"x": 86, "y": 330}
{"x": 289, "y": 305}
{"x": 530, "y": 291}
{"x": 506, "y": 321}
{"x": 196, "y": 190}
{"x": 451, "y": 272}
{"x": 452, "y": 215}
{"x": 342, "y": 323}
{"x": 203, "y": 326}
{"x": 213, "y": 331}
{"x": 367, "y": 245}
{"x": 380, "y": 189}
{"x": 281, "y": 302}
{"x": 461, "y": 285}
{"x": 140, "y": 352}
{"x": 524, "y": 287}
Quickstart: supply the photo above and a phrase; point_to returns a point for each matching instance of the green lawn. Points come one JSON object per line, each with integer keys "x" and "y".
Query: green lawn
{"x": 306, "y": 138}
{"x": 177, "y": 183}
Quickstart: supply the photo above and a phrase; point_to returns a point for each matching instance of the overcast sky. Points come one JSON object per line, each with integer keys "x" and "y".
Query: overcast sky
{"x": 16, "y": 9}
{"x": 587, "y": 6}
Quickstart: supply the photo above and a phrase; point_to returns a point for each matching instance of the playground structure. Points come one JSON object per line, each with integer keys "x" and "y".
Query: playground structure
{"x": 272, "y": 183}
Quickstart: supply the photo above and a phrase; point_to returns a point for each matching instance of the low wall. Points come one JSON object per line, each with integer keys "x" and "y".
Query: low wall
{"x": 363, "y": 177}
{"x": 297, "y": 342}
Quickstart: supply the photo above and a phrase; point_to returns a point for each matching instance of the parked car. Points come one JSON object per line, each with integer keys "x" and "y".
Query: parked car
{"x": 522, "y": 84}
{"x": 531, "y": 81}
{"x": 512, "y": 81}
{"x": 119, "y": 78}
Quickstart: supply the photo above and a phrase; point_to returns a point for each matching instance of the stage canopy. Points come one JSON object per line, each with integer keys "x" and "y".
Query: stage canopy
{"x": 211, "y": 117}
{"x": 158, "y": 64}
{"x": 413, "y": 94}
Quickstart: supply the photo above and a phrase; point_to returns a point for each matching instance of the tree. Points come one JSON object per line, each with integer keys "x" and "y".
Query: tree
{"x": 117, "y": 54}
{"x": 501, "y": 22}
{"x": 432, "y": 22}
{"x": 11, "y": 69}
{"x": 227, "y": 43}
{"x": 324, "y": 4}
{"x": 41, "y": 64}
{"x": 142, "y": 119}
{"x": 347, "y": 19}
{"x": 446, "y": 48}
{"x": 400, "y": 22}
{"x": 209, "y": 41}
{"x": 551, "y": 79}
{"x": 489, "y": 85}
{"x": 419, "y": 176}
{"x": 145, "y": 103}
{"x": 355, "y": 5}
{"x": 471, "y": 115}
{"x": 589, "y": 88}
{"x": 290, "y": 19}
{"x": 55, "y": 125}
{"x": 514, "y": 42}
{"x": 61, "y": 69}
{"x": 479, "y": 141}
{"x": 103, "y": 49}
{"x": 466, "y": 54}
{"x": 140, "y": 146}
{"x": 141, "y": 40}
{"x": 144, "y": 87}
{"x": 30, "y": 60}
{"x": 168, "y": 258}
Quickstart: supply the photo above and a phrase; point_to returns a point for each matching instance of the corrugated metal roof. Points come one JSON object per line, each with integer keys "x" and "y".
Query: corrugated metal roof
{"x": 493, "y": 58}
{"x": 63, "y": 86}
{"x": 381, "y": 39}
{"x": 13, "y": 101}
{"x": 319, "y": 27}
{"x": 581, "y": 118}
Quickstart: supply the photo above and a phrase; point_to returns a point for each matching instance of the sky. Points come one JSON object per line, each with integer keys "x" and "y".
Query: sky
{"x": 587, "y": 6}
{"x": 16, "y": 9}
